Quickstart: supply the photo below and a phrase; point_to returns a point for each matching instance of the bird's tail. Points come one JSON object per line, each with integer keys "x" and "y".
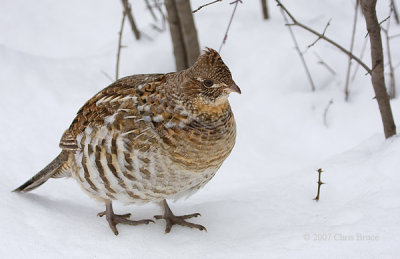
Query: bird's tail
{"x": 59, "y": 167}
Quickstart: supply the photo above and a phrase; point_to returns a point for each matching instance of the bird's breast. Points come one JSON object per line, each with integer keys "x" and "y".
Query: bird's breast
{"x": 200, "y": 146}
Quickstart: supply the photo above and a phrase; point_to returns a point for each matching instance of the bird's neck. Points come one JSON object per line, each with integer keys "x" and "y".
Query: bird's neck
{"x": 204, "y": 107}
{"x": 209, "y": 113}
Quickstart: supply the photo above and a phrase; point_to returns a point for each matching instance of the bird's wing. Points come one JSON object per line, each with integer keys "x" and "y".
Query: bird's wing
{"x": 126, "y": 94}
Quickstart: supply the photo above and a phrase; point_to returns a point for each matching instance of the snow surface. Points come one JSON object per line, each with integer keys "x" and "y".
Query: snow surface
{"x": 260, "y": 204}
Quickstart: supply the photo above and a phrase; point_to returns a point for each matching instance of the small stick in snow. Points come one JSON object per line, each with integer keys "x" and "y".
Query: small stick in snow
{"x": 319, "y": 183}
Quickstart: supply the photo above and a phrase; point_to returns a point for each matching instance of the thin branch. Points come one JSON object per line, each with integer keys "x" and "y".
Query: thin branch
{"x": 158, "y": 5}
{"x": 295, "y": 22}
{"x": 128, "y": 10}
{"x": 201, "y": 6}
{"x": 396, "y": 15}
{"x": 151, "y": 10}
{"x": 380, "y": 23}
{"x": 323, "y": 34}
{"x": 319, "y": 184}
{"x": 144, "y": 35}
{"x": 303, "y": 61}
{"x": 107, "y": 75}
{"x": 384, "y": 20}
{"x": 326, "y": 112}
{"x": 364, "y": 46}
{"x": 346, "y": 87}
{"x": 119, "y": 45}
{"x": 322, "y": 62}
{"x": 156, "y": 28}
{"x": 392, "y": 89}
{"x": 236, "y": 2}
{"x": 394, "y": 36}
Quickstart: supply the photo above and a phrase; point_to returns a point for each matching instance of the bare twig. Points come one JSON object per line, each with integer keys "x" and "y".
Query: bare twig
{"x": 201, "y": 6}
{"x": 384, "y": 20}
{"x": 107, "y": 75}
{"x": 395, "y": 36}
{"x": 156, "y": 28}
{"x": 322, "y": 62}
{"x": 300, "y": 53}
{"x": 346, "y": 87}
{"x": 236, "y": 2}
{"x": 361, "y": 56}
{"x": 128, "y": 10}
{"x": 396, "y": 15}
{"x": 323, "y": 34}
{"x": 380, "y": 23}
{"x": 158, "y": 5}
{"x": 326, "y": 112}
{"x": 144, "y": 35}
{"x": 392, "y": 89}
{"x": 295, "y": 22}
{"x": 319, "y": 184}
{"x": 151, "y": 10}
{"x": 119, "y": 45}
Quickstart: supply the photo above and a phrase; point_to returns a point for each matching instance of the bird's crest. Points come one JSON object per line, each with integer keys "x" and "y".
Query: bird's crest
{"x": 212, "y": 55}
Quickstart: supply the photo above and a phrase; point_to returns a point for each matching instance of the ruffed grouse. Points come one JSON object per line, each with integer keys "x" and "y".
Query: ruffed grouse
{"x": 148, "y": 138}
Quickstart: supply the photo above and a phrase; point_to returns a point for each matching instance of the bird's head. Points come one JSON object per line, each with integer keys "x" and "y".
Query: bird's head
{"x": 210, "y": 81}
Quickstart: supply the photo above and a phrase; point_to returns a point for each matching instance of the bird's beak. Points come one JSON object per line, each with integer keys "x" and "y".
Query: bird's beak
{"x": 234, "y": 88}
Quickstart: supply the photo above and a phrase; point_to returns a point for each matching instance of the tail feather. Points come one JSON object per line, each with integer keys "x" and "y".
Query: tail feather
{"x": 56, "y": 169}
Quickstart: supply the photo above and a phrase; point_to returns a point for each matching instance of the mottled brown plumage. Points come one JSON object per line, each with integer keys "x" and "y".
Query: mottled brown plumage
{"x": 148, "y": 138}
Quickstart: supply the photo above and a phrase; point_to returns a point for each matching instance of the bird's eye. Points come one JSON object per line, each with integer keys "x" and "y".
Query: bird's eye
{"x": 208, "y": 83}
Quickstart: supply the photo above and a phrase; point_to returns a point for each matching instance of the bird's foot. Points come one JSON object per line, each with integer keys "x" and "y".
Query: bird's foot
{"x": 171, "y": 219}
{"x": 114, "y": 219}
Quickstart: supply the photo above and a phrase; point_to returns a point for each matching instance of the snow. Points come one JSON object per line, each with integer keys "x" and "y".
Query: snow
{"x": 53, "y": 56}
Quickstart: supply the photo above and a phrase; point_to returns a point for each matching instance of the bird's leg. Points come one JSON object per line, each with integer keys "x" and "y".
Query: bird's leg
{"x": 171, "y": 219}
{"x": 114, "y": 219}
